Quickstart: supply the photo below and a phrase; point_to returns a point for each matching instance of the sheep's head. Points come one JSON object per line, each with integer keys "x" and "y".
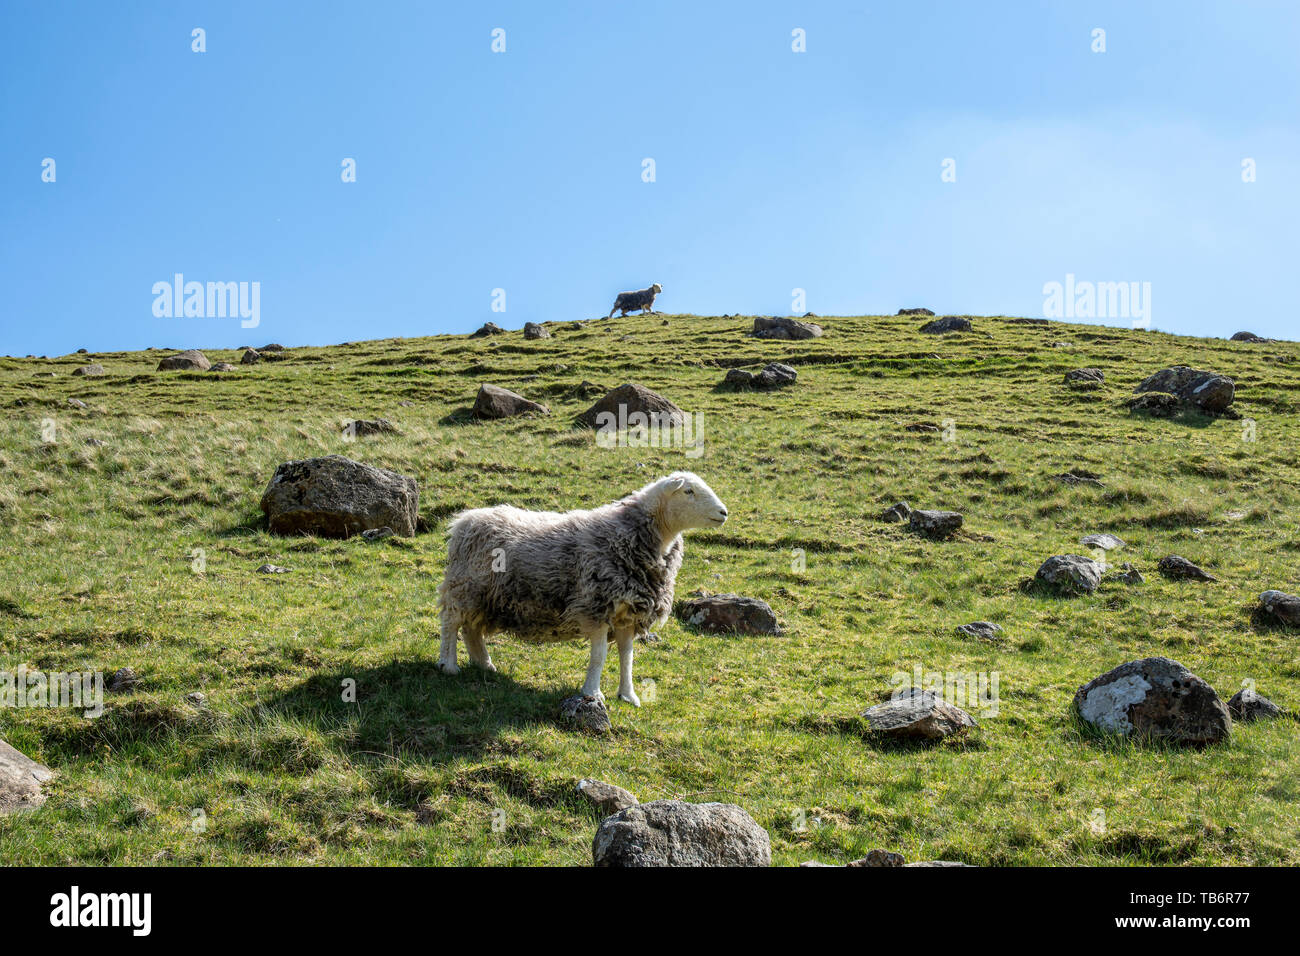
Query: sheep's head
{"x": 656, "y": 289}
{"x": 685, "y": 502}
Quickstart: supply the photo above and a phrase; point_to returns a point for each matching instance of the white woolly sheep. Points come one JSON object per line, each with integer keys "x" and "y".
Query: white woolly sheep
{"x": 599, "y": 575}
{"x": 643, "y": 299}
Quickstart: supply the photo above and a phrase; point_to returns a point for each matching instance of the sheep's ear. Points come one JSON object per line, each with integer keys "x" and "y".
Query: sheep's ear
{"x": 675, "y": 484}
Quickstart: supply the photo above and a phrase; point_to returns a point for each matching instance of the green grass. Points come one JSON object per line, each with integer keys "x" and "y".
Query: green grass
{"x": 98, "y": 556}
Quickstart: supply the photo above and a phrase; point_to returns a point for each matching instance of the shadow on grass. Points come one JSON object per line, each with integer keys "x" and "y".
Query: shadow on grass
{"x": 859, "y": 728}
{"x": 410, "y": 708}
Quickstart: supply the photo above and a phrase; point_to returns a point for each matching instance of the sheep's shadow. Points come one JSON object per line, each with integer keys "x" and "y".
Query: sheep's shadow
{"x": 409, "y": 708}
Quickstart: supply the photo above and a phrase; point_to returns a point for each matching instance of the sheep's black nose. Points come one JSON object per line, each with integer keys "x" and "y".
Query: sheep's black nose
{"x": 724, "y": 512}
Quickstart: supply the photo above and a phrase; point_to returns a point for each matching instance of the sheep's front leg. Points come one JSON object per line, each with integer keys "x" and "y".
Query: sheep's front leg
{"x": 599, "y": 644}
{"x": 623, "y": 637}
{"x": 477, "y": 647}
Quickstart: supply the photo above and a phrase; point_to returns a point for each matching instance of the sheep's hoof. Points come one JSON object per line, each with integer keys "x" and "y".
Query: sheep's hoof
{"x": 448, "y": 668}
{"x": 631, "y": 698}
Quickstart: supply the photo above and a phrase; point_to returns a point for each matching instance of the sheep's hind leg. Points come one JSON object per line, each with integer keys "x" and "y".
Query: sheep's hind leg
{"x": 599, "y": 645}
{"x": 447, "y": 652}
{"x": 477, "y": 647}
{"x": 623, "y": 637}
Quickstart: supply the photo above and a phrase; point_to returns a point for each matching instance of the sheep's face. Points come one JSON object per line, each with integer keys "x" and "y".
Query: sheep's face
{"x": 656, "y": 289}
{"x": 690, "y": 503}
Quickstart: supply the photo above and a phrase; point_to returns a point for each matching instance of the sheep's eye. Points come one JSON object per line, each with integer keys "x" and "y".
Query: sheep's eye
{"x": 691, "y": 492}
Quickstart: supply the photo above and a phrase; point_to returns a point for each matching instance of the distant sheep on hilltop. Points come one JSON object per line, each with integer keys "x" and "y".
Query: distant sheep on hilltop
{"x": 643, "y": 299}
{"x": 545, "y": 577}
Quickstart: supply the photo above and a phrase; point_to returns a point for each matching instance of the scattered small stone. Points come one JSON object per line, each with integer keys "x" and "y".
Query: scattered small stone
{"x": 489, "y": 328}
{"x": 250, "y": 357}
{"x": 982, "y": 630}
{"x": 223, "y": 367}
{"x": 773, "y": 375}
{"x": 273, "y": 347}
{"x": 272, "y": 569}
{"x": 606, "y": 797}
{"x": 190, "y": 360}
{"x": 1070, "y": 573}
{"x": 1247, "y": 705}
{"x": 89, "y": 371}
{"x": 938, "y": 863}
{"x": 920, "y": 427}
{"x": 76, "y": 403}
{"x": 42, "y": 374}
{"x": 897, "y": 512}
{"x": 879, "y": 858}
{"x": 1177, "y": 568}
{"x": 197, "y": 698}
{"x": 121, "y": 680}
{"x": 949, "y": 323}
{"x": 1085, "y": 377}
{"x": 587, "y": 714}
{"x": 1280, "y": 608}
{"x": 364, "y": 427}
{"x": 729, "y": 614}
{"x": 784, "y": 327}
{"x": 934, "y": 524}
{"x": 493, "y": 402}
{"x": 1080, "y": 477}
{"x": 377, "y": 534}
{"x": 534, "y": 331}
{"x": 915, "y": 312}
{"x": 919, "y": 713}
{"x": 96, "y": 442}
{"x": 1157, "y": 698}
{"x": 1128, "y": 574}
{"x": 675, "y": 833}
{"x": 1105, "y": 541}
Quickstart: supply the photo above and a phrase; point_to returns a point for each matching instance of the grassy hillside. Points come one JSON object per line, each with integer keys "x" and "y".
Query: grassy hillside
{"x": 143, "y": 552}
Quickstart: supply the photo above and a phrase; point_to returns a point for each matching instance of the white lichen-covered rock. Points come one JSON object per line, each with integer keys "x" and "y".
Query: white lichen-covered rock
{"x": 1156, "y": 698}
{"x": 919, "y": 713}
{"x": 1247, "y": 705}
{"x": 21, "y": 780}
{"x": 675, "y": 833}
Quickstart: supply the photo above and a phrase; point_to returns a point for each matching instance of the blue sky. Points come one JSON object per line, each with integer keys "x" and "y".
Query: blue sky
{"x": 522, "y": 170}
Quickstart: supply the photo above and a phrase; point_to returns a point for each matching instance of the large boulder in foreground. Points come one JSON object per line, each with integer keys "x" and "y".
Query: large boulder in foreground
{"x": 783, "y": 327}
{"x": 492, "y": 401}
{"x": 675, "y": 833}
{"x": 1154, "y": 698}
{"x": 1207, "y": 391}
{"x": 616, "y": 409}
{"x": 337, "y": 497}
{"x": 729, "y": 614}
{"x": 21, "y": 779}
{"x": 191, "y": 360}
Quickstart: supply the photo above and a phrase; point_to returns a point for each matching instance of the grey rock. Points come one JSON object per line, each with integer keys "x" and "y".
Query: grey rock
{"x": 899, "y": 511}
{"x": 122, "y": 680}
{"x": 934, "y": 524}
{"x": 1248, "y": 337}
{"x": 938, "y": 863}
{"x": 364, "y": 427}
{"x": 1079, "y": 476}
{"x": 96, "y": 442}
{"x": 1207, "y": 391}
{"x": 1177, "y": 568}
{"x": 273, "y": 347}
{"x": 488, "y": 328}
{"x": 1105, "y": 541}
{"x": 377, "y": 534}
{"x": 1070, "y": 573}
{"x": 76, "y": 403}
{"x": 982, "y": 630}
{"x": 605, "y": 796}
{"x": 729, "y": 614}
{"x": 534, "y": 331}
{"x": 879, "y": 858}
{"x": 191, "y": 360}
{"x": 918, "y": 714}
{"x": 337, "y": 497}
{"x": 21, "y": 780}
{"x": 915, "y": 312}
{"x": 1088, "y": 377}
{"x": 621, "y": 404}
{"x": 783, "y": 327}
{"x": 1246, "y": 705}
{"x": 675, "y": 833}
{"x": 89, "y": 371}
{"x": 223, "y": 367}
{"x": 775, "y": 375}
{"x": 1128, "y": 574}
{"x": 1280, "y": 608}
{"x": 949, "y": 323}
{"x": 1154, "y": 698}
{"x": 272, "y": 569}
{"x": 250, "y": 357}
{"x": 493, "y": 402}
{"x": 588, "y": 714}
